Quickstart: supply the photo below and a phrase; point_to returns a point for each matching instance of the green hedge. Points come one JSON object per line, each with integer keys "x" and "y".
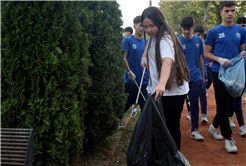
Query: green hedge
{"x": 106, "y": 98}
{"x": 44, "y": 76}
{"x": 62, "y": 74}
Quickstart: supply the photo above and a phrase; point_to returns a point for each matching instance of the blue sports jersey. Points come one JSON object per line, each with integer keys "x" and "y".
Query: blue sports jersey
{"x": 225, "y": 41}
{"x": 193, "y": 48}
{"x": 135, "y": 49}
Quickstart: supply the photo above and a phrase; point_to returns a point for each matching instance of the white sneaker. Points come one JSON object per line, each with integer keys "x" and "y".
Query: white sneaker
{"x": 230, "y": 146}
{"x": 189, "y": 116}
{"x": 196, "y": 135}
{"x": 215, "y": 133}
{"x": 242, "y": 130}
{"x": 231, "y": 122}
{"x": 204, "y": 118}
{"x": 120, "y": 126}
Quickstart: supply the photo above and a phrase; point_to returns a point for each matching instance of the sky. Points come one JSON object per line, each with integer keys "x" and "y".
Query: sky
{"x": 132, "y": 8}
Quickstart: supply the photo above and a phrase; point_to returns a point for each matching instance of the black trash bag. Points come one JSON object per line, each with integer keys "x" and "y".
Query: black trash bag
{"x": 151, "y": 143}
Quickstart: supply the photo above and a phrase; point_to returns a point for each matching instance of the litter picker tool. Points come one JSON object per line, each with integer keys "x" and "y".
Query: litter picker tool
{"x": 134, "y": 110}
{"x": 140, "y": 90}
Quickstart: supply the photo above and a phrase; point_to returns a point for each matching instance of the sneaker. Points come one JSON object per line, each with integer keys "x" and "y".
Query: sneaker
{"x": 196, "y": 135}
{"x": 121, "y": 126}
{"x": 231, "y": 122}
{"x": 215, "y": 133}
{"x": 242, "y": 130}
{"x": 204, "y": 118}
{"x": 230, "y": 146}
{"x": 189, "y": 116}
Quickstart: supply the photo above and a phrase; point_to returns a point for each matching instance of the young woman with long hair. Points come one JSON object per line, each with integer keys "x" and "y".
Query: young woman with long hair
{"x": 168, "y": 73}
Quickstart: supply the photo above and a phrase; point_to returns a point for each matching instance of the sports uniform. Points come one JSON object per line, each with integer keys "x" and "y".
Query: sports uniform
{"x": 135, "y": 49}
{"x": 193, "y": 48}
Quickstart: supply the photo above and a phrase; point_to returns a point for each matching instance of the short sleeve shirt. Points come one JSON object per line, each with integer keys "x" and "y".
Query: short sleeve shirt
{"x": 193, "y": 48}
{"x": 166, "y": 50}
{"x": 225, "y": 42}
{"x": 135, "y": 49}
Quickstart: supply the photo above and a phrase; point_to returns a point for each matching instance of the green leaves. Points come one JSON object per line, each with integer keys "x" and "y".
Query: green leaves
{"x": 42, "y": 67}
{"x": 105, "y": 97}
{"x": 50, "y": 49}
{"x": 174, "y": 11}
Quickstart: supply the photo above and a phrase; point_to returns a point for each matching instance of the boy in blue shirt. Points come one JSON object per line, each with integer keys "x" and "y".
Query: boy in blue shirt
{"x": 134, "y": 46}
{"x": 223, "y": 42}
{"x": 193, "y": 50}
{"x": 199, "y": 31}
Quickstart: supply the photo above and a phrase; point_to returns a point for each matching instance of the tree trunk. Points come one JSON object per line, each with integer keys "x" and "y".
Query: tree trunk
{"x": 205, "y": 21}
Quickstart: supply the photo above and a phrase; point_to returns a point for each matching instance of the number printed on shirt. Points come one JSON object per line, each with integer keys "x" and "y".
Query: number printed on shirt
{"x": 134, "y": 46}
{"x": 221, "y": 35}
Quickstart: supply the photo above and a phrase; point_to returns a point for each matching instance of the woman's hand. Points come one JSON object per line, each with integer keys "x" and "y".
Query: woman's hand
{"x": 159, "y": 91}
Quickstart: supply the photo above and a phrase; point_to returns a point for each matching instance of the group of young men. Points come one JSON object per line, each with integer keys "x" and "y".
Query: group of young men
{"x": 204, "y": 53}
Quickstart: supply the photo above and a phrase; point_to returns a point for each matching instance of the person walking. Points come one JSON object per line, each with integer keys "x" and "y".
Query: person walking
{"x": 223, "y": 42}
{"x": 168, "y": 75}
{"x": 199, "y": 31}
{"x": 134, "y": 46}
{"x": 193, "y": 51}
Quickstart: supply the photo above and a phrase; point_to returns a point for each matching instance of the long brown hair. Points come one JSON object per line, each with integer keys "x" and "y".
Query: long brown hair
{"x": 182, "y": 71}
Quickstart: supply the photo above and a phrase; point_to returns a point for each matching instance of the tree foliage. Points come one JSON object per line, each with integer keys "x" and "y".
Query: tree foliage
{"x": 106, "y": 98}
{"x": 50, "y": 82}
{"x": 174, "y": 11}
{"x": 44, "y": 76}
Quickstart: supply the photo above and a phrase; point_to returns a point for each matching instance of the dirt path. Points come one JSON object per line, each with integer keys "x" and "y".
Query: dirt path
{"x": 211, "y": 152}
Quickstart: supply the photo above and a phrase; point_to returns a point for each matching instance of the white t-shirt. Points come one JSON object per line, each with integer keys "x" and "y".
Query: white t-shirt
{"x": 166, "y": 50}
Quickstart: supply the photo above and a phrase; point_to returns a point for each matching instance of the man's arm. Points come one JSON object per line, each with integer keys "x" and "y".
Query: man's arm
{"x": 131, "y": 75}
{"x": 211, "y": 57}
{"x": 126, "y": 65}
{"x": 201, "y": 66}
{"x": 208, "y": 55}
{"x": 242, "y": 48}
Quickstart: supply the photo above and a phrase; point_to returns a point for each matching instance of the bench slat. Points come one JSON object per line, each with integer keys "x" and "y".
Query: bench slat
{"x": 16, "y": 144}
{"x": 14, "y": 140}
{"x": 14, "y": 129}
{"x": 16, "y": 133}
{"x": 12, "y": 147}
{"x": 12, "y": 151}
{"x": 14, "y": 136}
{"x": 13, "y": 155}
{"x": 11, "y": 159}
{"x": 10, "y": 163}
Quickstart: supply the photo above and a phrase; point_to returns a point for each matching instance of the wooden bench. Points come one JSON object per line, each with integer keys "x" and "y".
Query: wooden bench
{"x": 16, "y": 146}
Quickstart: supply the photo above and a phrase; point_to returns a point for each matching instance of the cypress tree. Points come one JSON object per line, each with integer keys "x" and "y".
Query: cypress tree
{"x": 44, "y": 75}
{"x": 106, "y": 98}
